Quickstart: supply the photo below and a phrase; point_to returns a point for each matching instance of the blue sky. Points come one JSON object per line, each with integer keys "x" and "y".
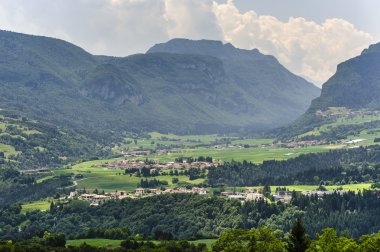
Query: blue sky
{"x": 309, "y": 37}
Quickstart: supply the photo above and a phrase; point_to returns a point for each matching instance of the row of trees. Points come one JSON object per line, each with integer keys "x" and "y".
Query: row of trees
{"x": 265, "y": 239}
{"x": 336, "y": 167}
{"x": 231, "y": 240}
{"x": 189, "y": 216}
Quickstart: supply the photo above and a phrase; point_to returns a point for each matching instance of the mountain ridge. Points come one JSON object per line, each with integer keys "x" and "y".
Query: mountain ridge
{"x": 53, "y": 80}
{"x": 354, "y": 86}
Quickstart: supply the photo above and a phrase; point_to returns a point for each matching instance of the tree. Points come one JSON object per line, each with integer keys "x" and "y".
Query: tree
{"x": 240, "y": 240}
{"x": 328, "y": 241}
{"x": 145, "y": 172}
{"x": 54, "y": 240}
{"x": 52, "y": 207}
{"x": 230, "y": 240}
{"x": 298, "y": 240}
{"x": 370, "y": 242}
{"x": 175, "y": 180}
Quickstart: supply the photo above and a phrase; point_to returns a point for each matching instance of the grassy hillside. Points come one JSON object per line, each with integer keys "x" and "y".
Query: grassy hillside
{"x": 27, "y": 144}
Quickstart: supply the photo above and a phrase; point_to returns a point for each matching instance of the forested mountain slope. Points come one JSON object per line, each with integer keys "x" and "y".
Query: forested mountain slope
{"x": 55, "y": 81}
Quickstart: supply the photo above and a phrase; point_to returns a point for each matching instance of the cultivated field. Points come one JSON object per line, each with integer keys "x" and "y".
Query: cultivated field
{"x": 42, "y": 205}
{"x": 96, "y": 242}
{"x": 111, "y": 180}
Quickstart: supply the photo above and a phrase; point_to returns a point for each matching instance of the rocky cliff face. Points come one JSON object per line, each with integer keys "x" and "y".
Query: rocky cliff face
{"x": 356, "y": 83}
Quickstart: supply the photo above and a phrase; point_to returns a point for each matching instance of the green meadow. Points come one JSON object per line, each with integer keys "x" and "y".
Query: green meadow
{"x": 42, "y": 205}
{"x": 8, "y": 150}
{"x": 255, "y": 155}
{"x": 110, "y": 180}
{"x": 96, "y": 242}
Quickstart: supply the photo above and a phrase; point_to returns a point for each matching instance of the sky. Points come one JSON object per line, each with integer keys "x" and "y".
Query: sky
{"x": 308, "y": 37}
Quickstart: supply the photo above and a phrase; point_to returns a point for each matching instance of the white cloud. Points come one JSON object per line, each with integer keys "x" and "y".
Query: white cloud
{"x": 191, "y": 19}
{"x": 304, "y": 47}
{"x": 123, "y": 27}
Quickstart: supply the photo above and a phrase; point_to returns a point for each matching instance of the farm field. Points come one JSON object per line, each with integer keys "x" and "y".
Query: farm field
{"x": 96, "y": 242}
{"x": 208, "y": 242}
{"x": 8, "y": 150}
{"x": 255, "y": 155}
{"x": 186, "y": 141}
{"x": 256, "y": 151}
{"x": 110, "y": 180}
{"x": 42, "y": 205}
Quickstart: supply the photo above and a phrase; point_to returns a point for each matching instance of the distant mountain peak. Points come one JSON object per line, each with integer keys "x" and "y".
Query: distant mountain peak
{"x": 204, "y": 47}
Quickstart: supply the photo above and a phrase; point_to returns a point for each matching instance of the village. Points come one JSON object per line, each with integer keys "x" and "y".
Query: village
{"x": 341, "y": 111}
{"x": 283, "y": 196}
{"x": 154, "y": 165}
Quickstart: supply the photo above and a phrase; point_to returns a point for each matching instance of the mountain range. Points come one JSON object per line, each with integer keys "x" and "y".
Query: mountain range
{"x": 181, "y": 86}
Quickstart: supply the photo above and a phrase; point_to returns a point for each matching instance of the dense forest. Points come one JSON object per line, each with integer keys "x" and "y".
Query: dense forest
{"x": 231, "y": 240}
{"x": 334, "y": 167}
{"x": 16, "y": 187}
{"x": 38, "y": 145}
{"x": 188, "y": 216}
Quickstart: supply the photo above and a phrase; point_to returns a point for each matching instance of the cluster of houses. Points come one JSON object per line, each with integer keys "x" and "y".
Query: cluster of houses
{"x": 97, "y": 199}
{"x": 255, "y": 195}
{"x": 248, "y": 195}
{"x": 320, "y": 194}
{"x": 345, "y": 112}
{"x": 151, "y": 192}
{"x": 154, "y": 164}
{"x": 280, "y": 196}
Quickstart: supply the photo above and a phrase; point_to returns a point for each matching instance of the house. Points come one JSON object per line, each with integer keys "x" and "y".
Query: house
{"x": 199, "y": 190}
{"x": 140, "y": 191}
{"x": 253, "y": 197}
{"x": 283, "y": 196}
{"x": 319, "y": 194}
{"x": 95, "y": 199}
{"x": 236, "y": 196}
{"x": 73, "y": 194}
{"x": 155, "y": 191}
{"x": 87, "y": 196}
{"x": 119, "y": 194}
{"x": 227, "y": 193}
{"x": 99, "y": 199}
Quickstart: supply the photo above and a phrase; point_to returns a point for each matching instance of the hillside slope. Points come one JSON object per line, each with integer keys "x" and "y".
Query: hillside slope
{"x": 354, "y": 87}
{"x": 52, "y": 80}
{"x": 29, "y": 144}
